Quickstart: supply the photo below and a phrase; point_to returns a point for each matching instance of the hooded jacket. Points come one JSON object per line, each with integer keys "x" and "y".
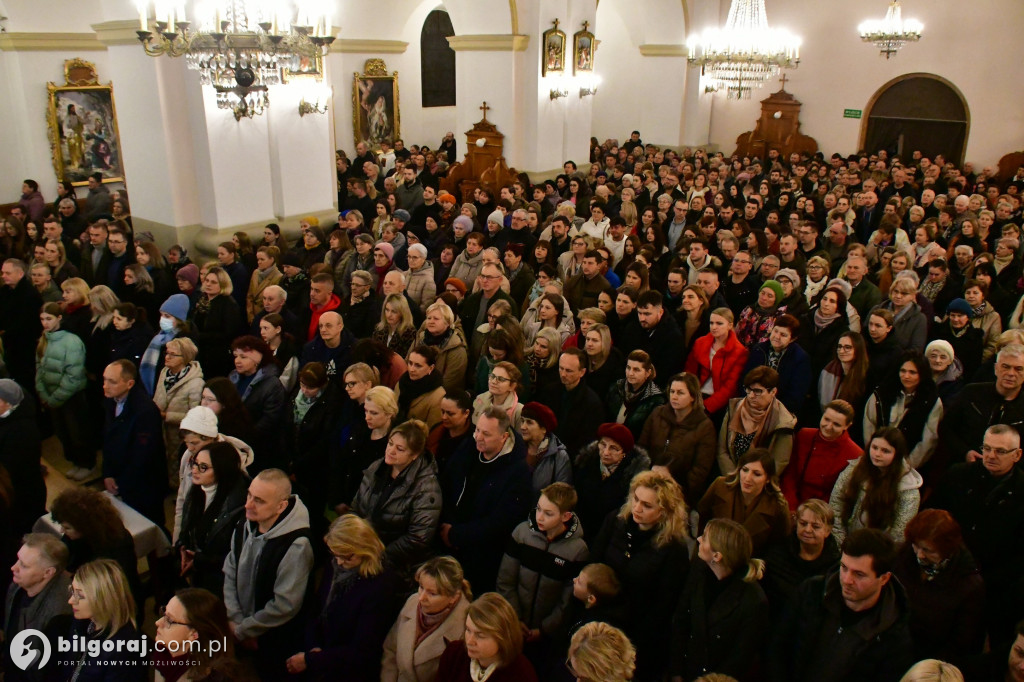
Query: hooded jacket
{"x": 252, "y": 614}
{"x": 404, "y": 511}
{"x": 536, "y": 572}
{"x": 907, "y": 503}
{"x": 466, "y": 267}
{"x": 554, "y": 465}
{"x": 245, "y": 457}
{"x": 420, "y": 285}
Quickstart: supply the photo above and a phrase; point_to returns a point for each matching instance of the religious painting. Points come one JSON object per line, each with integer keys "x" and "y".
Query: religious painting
{"x": 375, "y": 115}
{"x": 301, "y": 66}
{"x": 583, "y": 50}
{"x": 553, "y": 51}
{"x": 82, "y": 126}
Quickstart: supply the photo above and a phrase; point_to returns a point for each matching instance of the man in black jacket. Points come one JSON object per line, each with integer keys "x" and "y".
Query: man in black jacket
{"x": 850, "y": 626}
{"x": 660, "y": 336}
{"x": 19, "y": 322}
{"x": 579, "y": 409}
{"x": 20, "y": 449}
{"x": 134, "y": 466}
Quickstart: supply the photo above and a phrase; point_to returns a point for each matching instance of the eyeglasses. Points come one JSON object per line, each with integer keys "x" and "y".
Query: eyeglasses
{"x": 169, "y": 354}
{"x": 75, "y": 595}
{"x": 168, "y": 621}
{"x": 756, "y": 392}
{"x": 351, "y": 384}
{"x": 1002, "y": 452}
{"x": 193, "y": 464}
{"x": 490, "y": 276}
{"x": 844, "y": 346}
{"x": 500, "y": 379}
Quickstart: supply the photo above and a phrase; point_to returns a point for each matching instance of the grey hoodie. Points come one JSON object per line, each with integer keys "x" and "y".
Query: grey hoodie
{"x": 292, "y": 575}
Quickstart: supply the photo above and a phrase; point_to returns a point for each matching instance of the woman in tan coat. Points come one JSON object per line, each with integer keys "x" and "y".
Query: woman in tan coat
{"x": 420, "y": 389}
{"x": 265, "y": 274}
{"x": 178, "y": 389}
{"x": 758, "y": 420}
{"x": 431, "y": 618}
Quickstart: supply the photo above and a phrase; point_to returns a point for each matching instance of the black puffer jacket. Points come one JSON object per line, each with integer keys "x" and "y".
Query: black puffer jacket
{"x": 785, "y": 570}
{"x": 405, "y": 511}
{"x": 599, "y": 496}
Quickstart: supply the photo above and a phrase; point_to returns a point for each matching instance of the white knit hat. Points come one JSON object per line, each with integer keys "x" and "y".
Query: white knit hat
{"x": 942, "y": 346}
{"x": 200, "y": 420}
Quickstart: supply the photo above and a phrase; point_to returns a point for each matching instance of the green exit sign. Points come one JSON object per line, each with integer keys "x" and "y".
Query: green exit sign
{"x": 852, "y": 113}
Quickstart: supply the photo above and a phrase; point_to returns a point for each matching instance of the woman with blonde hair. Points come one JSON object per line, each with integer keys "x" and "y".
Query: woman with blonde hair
{"x": 723, "y": 614}
{"x": 439, "y": 330}
{"x": 178, "y": 390}
{"x": 217, "y": 320}
{"x": 104, "y": 611}
{"x": 605, "y": 361}
{"x": 77, "y": 311}
{"x": 933, "y": 670}
{"x": 647, "y": 545}
{"x": 61, "y": 269}
{"x": 395, "y": 329}
{"x": 364, "y": 447}
{"x": 542, "y": 361}
{"x": 492, "y": 648}
{"x": 356, "y": 606}
{"x": 599, "y": 651}
{"x": 432, "y": 616}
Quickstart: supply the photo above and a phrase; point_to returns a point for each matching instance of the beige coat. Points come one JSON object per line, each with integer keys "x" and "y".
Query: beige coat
{"x": 404, "y": 662}
{"x": 175, "y": 404}
{"x": 254, "y": 299}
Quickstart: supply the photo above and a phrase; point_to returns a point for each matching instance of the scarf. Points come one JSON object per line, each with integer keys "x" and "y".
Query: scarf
{"x": 930, "y": 289}
{"x": 748, "y": 420}
{"x": 979, "y": 310}
{"x": 931, "y": 571}
{"x": 822, "y": 321}
{"x": 301, "y": 405}
{"x": 812, "y": 288}
{"x": 171, "y": 379}
{"x": 1001, "y": 262}
{"x": 151, "y": 358}
{"x": 438, "y": 340}
{"x": 409, "y": 390}
{"x": 343, "y": 579}
{"x": 479, "y": 673}
{"x": 510, "y": 404}
{"x": 202, "y": 305}
{"x": 263, "y": 274}
{"x": 426, "y": 623}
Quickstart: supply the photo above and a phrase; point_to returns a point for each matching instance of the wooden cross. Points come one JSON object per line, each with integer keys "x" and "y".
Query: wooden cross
{"x": 783, "y": 80}
{"x": 556, "y": 24}
{"x": 485, "y": 108}
{"x": 586, "y": 26}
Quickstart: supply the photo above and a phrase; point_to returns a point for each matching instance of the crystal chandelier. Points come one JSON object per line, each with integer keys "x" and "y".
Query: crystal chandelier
{"x": 890, "y": 33}
{"x": 238, "y": 46}
{"x": 746, "y": 52}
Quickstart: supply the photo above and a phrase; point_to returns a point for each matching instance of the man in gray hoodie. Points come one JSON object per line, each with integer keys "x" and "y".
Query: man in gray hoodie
{"x": 267, "y": 571}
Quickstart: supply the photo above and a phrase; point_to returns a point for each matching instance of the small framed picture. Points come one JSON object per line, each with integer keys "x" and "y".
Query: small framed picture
{"x": 553, "y": 46}
{"x": 583, "y": 46}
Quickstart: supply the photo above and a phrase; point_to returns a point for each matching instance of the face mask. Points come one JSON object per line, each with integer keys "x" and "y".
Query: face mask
{"x": 166, "y": 324}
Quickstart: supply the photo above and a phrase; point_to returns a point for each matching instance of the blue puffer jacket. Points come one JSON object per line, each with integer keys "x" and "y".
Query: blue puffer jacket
{"x": 60, "y": 372}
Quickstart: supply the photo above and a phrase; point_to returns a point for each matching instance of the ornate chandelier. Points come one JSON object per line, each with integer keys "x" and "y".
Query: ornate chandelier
{"x": 744, "y": 53}
{"x": 238, "y": 46}
{"x": 889, "y": 34}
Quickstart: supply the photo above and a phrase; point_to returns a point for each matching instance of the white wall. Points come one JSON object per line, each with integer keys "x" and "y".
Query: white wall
{"x": 969, "y": 46}
{"x": 419, "y": 125}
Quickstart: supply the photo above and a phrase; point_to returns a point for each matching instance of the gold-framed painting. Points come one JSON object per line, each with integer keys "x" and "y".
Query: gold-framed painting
{"x": 301, "y": 67}
{"x": 82, "y": 126}
{"x": 552, "y": 59}
{"x": 375, "y": 112}
{"x": 583, "y": 46}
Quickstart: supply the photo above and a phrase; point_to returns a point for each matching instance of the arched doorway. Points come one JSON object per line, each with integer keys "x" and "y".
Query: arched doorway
{"x": 917, "y": 111}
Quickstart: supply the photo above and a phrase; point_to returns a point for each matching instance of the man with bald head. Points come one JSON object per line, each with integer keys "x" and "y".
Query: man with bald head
{"x": 332, "y": 346}
{"x": 395, "y": 282}
{"x": 274, "y": 300}
{"x": 266, "y": 572}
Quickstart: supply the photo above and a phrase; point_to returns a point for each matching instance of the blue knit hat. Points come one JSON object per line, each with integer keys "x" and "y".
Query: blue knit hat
{"x": 959, "y": 305}
{"x": 176, "y": 306}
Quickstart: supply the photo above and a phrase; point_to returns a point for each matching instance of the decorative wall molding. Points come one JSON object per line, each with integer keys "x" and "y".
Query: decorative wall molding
{"x": 655, "y": 50}
{"x": 120, "y": 32}
{"x": 361, "y": 46}
{"x": 50, "y": 42}
{"x": 489, "y": 43}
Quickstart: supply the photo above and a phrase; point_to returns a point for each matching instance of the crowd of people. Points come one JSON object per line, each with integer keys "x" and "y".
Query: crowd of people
{"x": 674, "y": 416}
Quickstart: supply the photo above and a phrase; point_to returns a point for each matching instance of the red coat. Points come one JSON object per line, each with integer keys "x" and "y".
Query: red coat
{"x": 815, "y": 465}
{"x": 726, "y": 372}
